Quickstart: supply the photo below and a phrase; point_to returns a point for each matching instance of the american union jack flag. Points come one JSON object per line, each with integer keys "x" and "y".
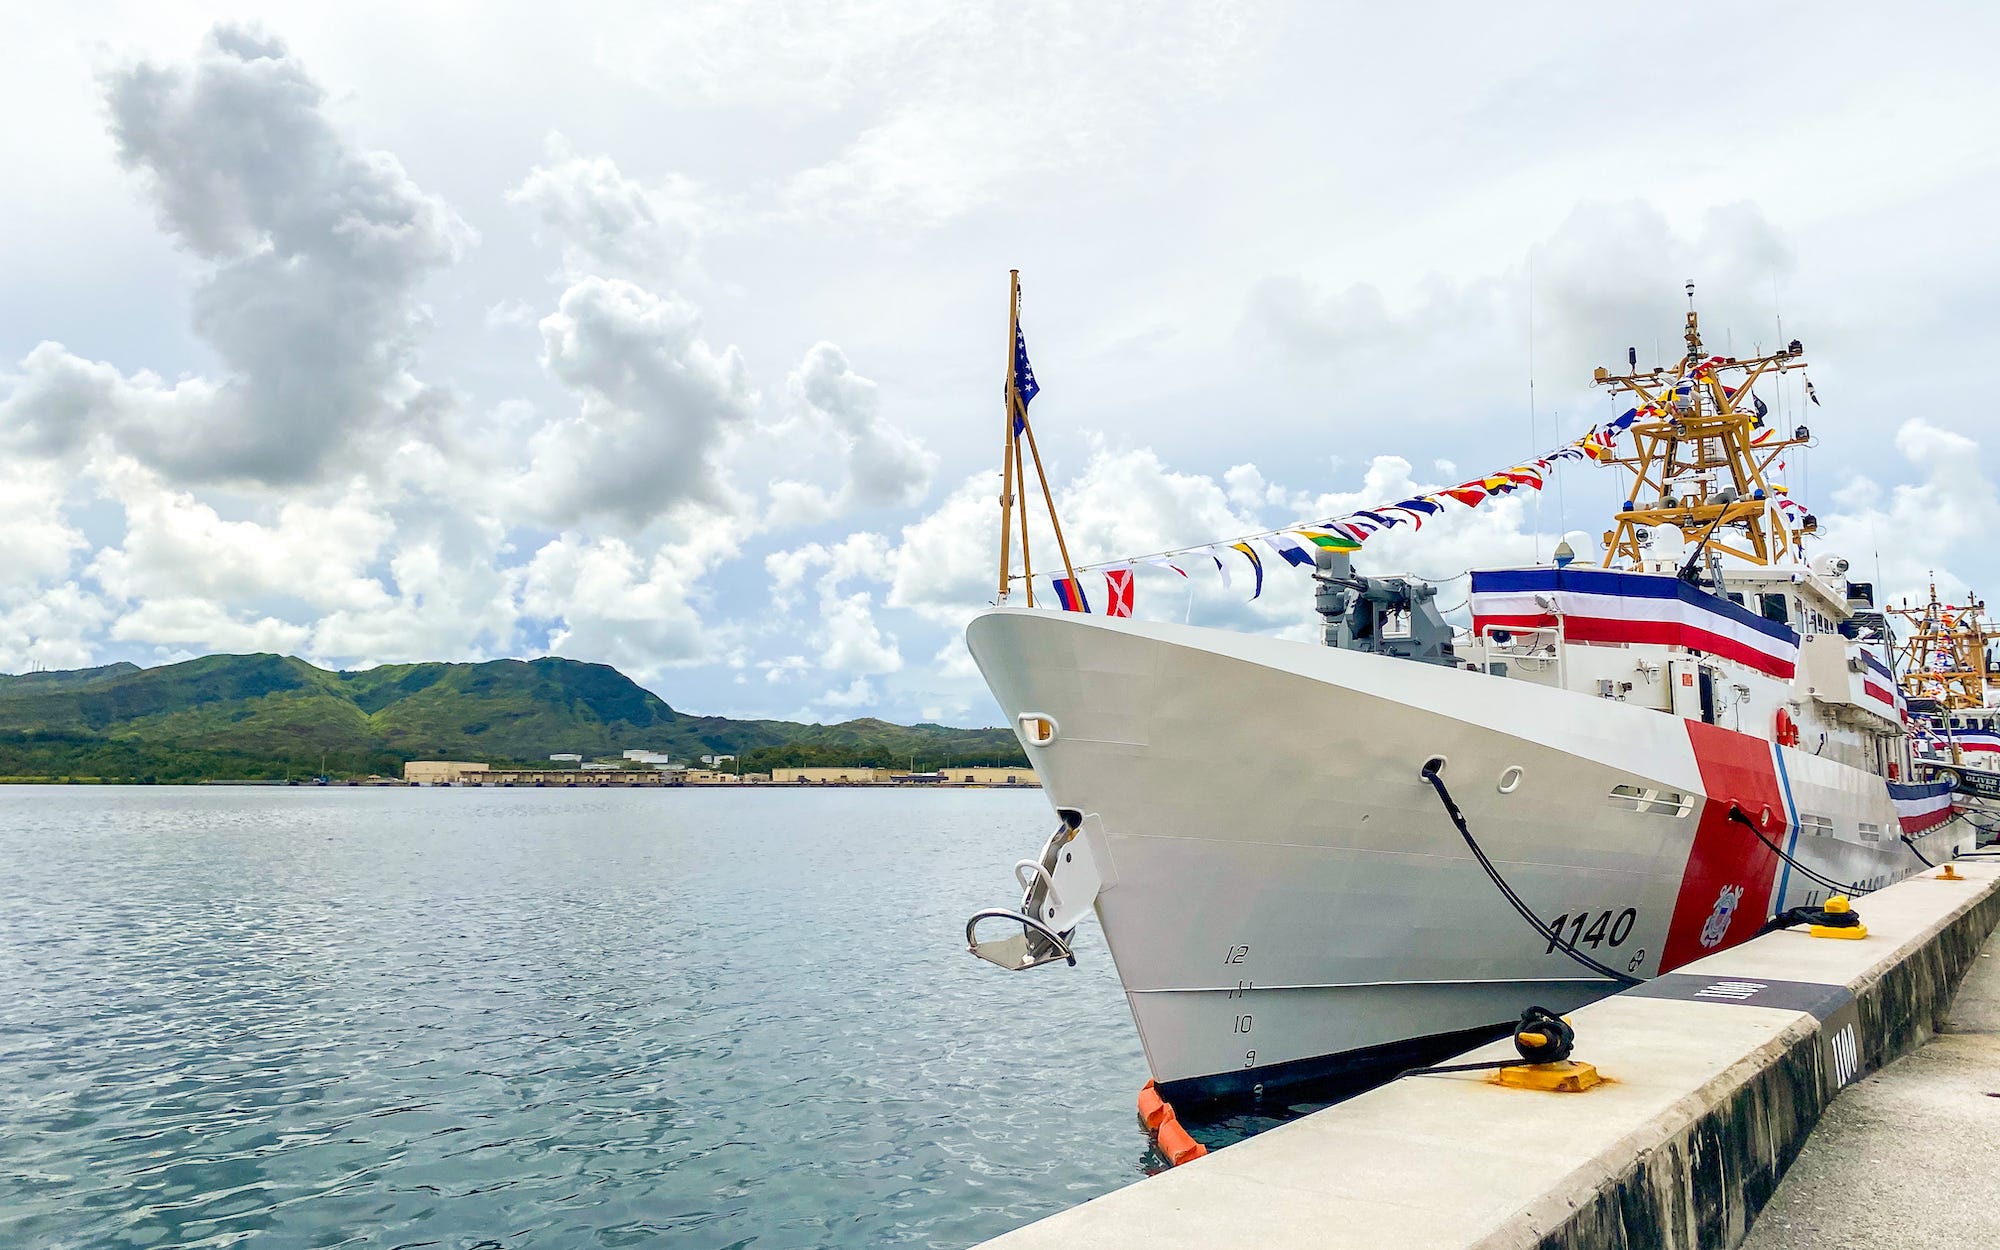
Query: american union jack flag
{"x": 1024, "y": 379}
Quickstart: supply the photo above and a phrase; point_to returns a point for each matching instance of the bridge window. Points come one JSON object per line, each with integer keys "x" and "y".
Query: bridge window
{"x": 1774, "y": 608}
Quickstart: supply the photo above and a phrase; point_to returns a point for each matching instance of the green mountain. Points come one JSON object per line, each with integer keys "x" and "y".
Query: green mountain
{"x": 269, "y": 716}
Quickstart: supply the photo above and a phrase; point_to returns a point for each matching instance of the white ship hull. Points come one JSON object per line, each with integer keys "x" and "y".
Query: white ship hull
{"x": 1284, "y": 895}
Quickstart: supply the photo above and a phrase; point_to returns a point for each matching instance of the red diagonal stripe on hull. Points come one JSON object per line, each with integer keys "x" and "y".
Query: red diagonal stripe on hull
{"x": 1735, "y": 768}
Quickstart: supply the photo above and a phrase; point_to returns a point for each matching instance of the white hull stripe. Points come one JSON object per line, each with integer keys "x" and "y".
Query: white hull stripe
{"x": 1885, "y": 702}
{"x": 1883, "y": 687}
{"x": 1793, "y": 825}
{"x": 1972, "y": 740}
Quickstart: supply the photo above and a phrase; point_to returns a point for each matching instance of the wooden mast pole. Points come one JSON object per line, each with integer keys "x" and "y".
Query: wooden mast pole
{"x": 1013, "y": 471}
{"x": 1027, "y": 562}
{"x": 1010, "y": 451}
{"x": 1050, "y": 498}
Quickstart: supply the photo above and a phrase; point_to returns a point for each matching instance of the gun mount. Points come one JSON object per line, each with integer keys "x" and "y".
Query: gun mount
{"x": 1394, "y": 616}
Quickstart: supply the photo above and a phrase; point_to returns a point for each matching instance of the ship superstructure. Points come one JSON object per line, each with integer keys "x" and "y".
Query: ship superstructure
{"x": 1300, "y": 854}
{"x": 1950, "y": 677}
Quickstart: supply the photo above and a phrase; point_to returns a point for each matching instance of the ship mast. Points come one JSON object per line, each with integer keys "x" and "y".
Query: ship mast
{"x": 1944, "y": 658}
{"x": 1700, "y": 451}
{"x": 1013, "y": 473}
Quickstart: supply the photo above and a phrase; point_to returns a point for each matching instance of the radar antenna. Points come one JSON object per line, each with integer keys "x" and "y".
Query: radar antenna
{"x": 1699, "y": 454}
{"x": 1944, "y": 658}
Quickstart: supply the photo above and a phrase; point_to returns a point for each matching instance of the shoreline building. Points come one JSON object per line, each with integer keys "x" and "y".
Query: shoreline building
{"x": 1019, "y": 776}
{"x": 439, "y": 772}
{"x": 850, "y": 776}
{"x": 716, "y": 777}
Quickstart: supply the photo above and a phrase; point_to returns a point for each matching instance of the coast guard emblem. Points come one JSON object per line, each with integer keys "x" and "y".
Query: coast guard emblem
{"x": 1718, "y": 920}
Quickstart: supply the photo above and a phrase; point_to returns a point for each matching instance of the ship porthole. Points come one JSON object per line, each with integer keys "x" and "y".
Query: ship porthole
{"x": 1510, "y": 779}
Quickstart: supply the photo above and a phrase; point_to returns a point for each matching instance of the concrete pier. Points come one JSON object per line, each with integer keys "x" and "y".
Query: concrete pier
{"x": 1930, "y": 1121}
{"x": 1718, "y": 1072}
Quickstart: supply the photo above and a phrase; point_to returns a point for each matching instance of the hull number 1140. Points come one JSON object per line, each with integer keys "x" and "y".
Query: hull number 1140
{"x": 1593, "y": 928}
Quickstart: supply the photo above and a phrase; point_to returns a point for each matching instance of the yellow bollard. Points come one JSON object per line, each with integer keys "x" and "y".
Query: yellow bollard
{"x": 1839, "y": 905}
{"x": 1567, "y": 1077}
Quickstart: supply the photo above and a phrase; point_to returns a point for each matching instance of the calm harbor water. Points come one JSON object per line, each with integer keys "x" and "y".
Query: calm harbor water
{"x": 300, "y": 1017}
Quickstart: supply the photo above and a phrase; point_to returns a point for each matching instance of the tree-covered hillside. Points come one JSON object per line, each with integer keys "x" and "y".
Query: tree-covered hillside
{"x": 270, "y": 716}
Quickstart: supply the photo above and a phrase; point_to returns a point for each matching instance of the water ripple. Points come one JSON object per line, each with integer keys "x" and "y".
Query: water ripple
{"x": 325, "y": 1018}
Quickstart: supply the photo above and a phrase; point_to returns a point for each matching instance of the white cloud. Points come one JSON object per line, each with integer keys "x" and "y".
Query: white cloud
{"x": 1249, "y": 491}
{"x": 207, "y": 625}
{"x": 944, "y": 108}
{"x": 1127, "y": 504}
{"x": 619, "y": 605}
{"x": 448, "y": 600}
{"x": 53, "y": 630}
{"x": 297, "y": 399}
{"x": 59, "y": 402}
{"x": 607, "y": 224}
{"x": 1121, "y": 504}
{"x": 833, "y": 407}
{"x": 509, "y": 312}
{"x": 177, "y": 546}
{"x": 40, "y": 542}
{"x": 784, "y": 668}
{"x": 947, "y": 563}
{"x": 859, "y": 693}
{"x": 792, "y": 57}
{"x": 851, "y": 640}
{"x": 847, "y": 638}
{"x": 1936, "y": 526}
{"x": 656, "y": 406}
{"x": 313, "y": 250}
{"x": 1005, "y": 92}
{"x": 1609, "y": 276}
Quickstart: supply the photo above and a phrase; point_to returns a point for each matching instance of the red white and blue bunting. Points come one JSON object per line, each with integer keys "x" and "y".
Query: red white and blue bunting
{"x": 1606, "y": 605}
{"x": 1921, "y": 807}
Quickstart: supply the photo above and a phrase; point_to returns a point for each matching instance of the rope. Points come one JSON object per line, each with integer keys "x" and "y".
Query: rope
{"x": 1489, "y": 1066}
{"x": 1736, "y": 814}
{"x": 1914, "y": 851}
{"x": 1555, "y": 940}
{"x": 1558, "y": 1042}
{"x": 1966, "y": 816}
{"x": 1809, "y": 915}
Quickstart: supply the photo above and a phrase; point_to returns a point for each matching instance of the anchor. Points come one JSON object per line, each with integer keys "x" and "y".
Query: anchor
{"x": 1056, "y": 891}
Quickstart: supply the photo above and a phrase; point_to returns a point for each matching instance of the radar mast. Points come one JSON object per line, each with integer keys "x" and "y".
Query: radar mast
{"x": 1701, "y": 447}
{"x": 1944, "y": 658}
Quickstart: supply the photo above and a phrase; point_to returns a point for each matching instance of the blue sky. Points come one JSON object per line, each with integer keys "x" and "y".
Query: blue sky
{"x": 673, "y": 339}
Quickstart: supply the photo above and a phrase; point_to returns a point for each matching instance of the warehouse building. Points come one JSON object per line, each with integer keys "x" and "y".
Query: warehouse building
{"x": 438, "y": 772}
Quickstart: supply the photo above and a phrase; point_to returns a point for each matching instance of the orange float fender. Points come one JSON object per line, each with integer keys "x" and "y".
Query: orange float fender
{"x": 1175, "y": 1143}
{"x": 1153, "y": 1109}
